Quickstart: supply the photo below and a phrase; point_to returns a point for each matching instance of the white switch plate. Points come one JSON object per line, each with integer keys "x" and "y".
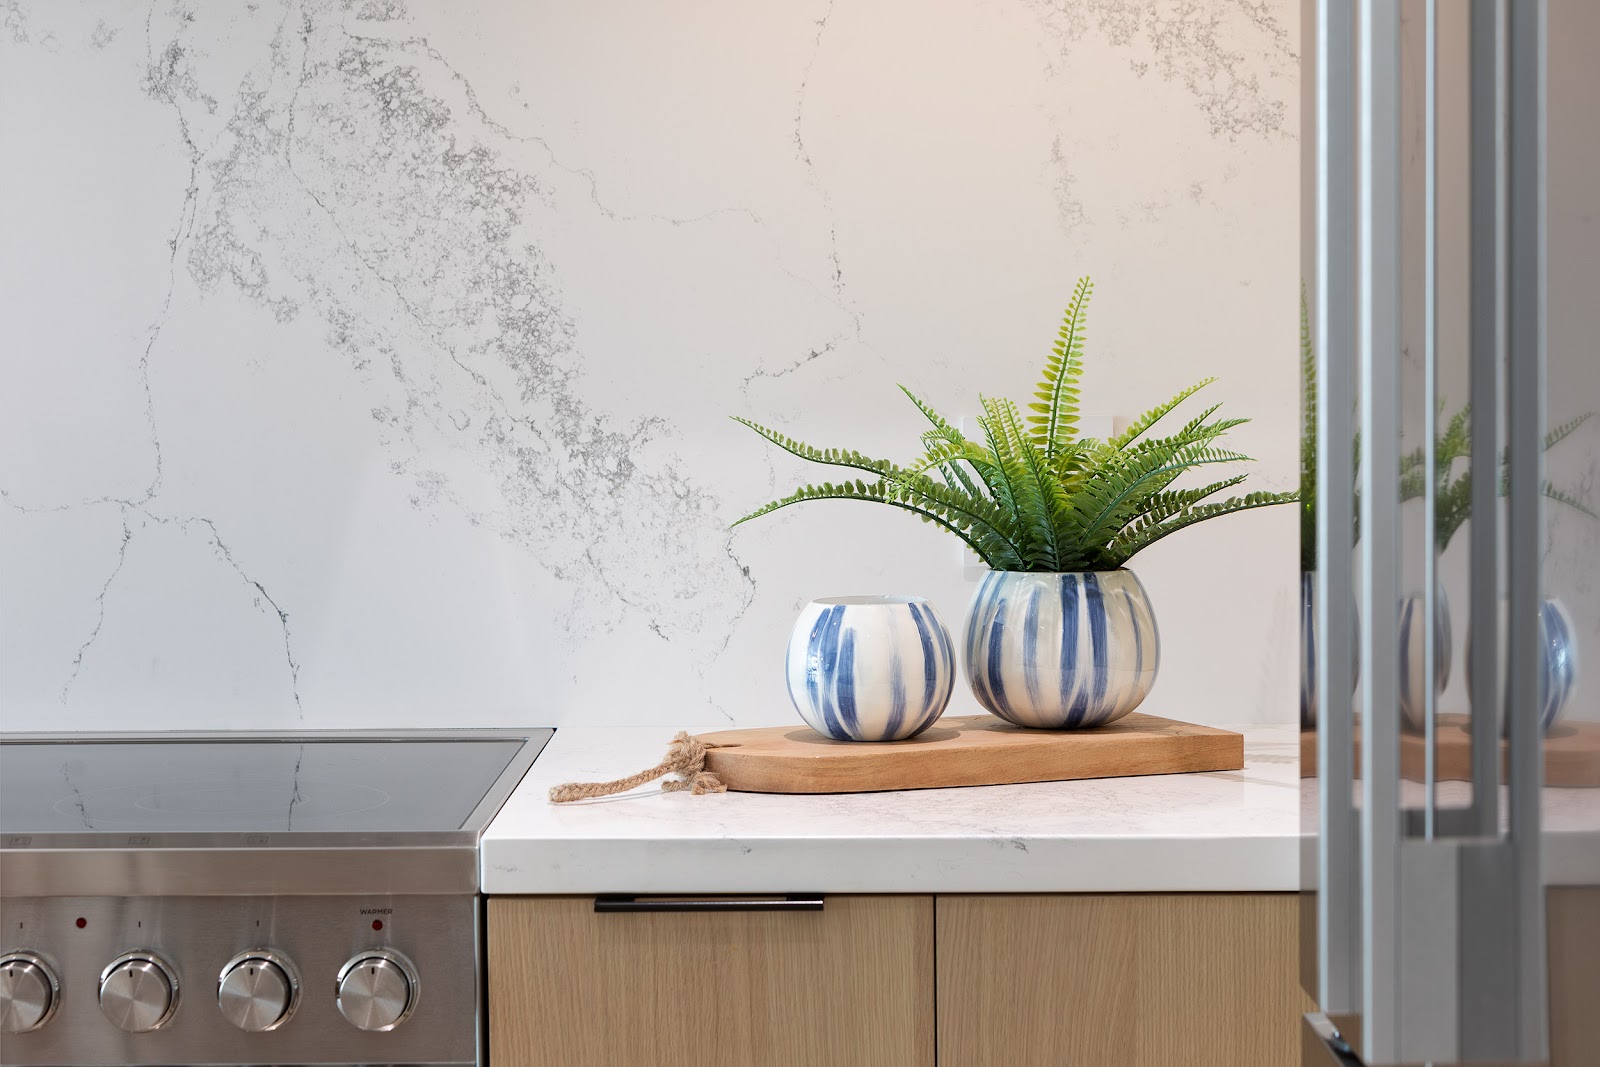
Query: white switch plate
{"x": 1101, "y": 426}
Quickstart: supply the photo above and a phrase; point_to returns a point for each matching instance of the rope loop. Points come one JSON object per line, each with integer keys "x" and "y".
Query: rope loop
{"x": 686, "y": 758}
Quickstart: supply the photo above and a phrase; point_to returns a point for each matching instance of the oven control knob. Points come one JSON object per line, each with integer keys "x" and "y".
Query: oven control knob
{"x": 377, "y": 990}
{"x": 29, "y": 992}
{"x": 139, "y": 991}
{"x": 258, "y": 990}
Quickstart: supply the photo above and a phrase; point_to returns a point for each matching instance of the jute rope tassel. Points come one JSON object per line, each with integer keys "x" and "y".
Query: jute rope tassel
{"x": 686, "y": 757}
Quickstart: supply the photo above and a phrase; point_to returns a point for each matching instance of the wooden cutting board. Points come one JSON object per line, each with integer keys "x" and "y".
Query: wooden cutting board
{"x": 966, "y": 750}
{"x": 1571, "y": 754}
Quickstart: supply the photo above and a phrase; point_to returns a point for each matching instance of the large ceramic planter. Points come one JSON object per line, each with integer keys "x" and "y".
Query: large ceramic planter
{"x": 1413, "y": 682}
{"x": 870, "y": 668}
{"x": 1061, "y": 651}
{"x": 1558, "y": 661}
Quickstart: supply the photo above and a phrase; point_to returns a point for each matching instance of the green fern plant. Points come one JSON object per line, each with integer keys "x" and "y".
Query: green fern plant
{"x": 1034, "y": 496}
{"x": 1308, "y": 441}
{"x": 1453, "y": 503}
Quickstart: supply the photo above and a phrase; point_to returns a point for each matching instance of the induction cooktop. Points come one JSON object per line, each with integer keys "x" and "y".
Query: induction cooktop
{"x": 278, "y": 785}
{"x": 247, "y": 898}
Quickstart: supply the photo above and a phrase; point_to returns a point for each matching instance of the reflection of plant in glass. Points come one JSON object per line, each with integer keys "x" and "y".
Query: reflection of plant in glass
{"x": 1453, "y": 504}
{"x": 1452, "y": 508}
{"x": 1033, "y": 495}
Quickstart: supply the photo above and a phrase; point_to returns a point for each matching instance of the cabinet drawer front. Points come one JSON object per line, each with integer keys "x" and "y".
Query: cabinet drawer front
{"x": 1131, "y": 980}
{"x": 851, "y": 984}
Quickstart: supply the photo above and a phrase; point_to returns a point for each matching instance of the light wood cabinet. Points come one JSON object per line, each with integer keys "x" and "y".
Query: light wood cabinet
{"x": 849, "y": 985}
{"x": 1130, "y": 980}
{"x": 1572, "y": 917}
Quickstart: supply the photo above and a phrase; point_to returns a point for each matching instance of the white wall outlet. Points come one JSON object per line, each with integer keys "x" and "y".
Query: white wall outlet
{"x": 1101, "y": 426}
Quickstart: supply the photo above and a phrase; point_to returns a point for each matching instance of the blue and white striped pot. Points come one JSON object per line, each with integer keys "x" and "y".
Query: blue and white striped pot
{"x": 1308, "y": 650}
{"x": 1413, "y": 681}
{"x": 1061, "y": 651}
{"x": 1558, "y": 661}
{"x": 870, "y": 668}
{"x": 1309, "y": 679}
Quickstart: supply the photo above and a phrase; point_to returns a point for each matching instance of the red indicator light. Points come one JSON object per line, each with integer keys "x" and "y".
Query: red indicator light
{"x": 82, "y": 923}
{"x": 377, "y": 924}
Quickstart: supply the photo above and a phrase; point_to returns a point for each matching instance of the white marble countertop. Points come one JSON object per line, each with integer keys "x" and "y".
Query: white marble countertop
{"x": 1218, "y": 831}
{"x": 1226, "y": 830}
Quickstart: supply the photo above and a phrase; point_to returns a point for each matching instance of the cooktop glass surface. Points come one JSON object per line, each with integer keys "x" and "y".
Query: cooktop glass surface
{"x": 258, "y": 785}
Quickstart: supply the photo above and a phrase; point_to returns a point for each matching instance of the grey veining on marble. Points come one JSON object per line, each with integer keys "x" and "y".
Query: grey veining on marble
{"x": 1220, "y": 831}
{"x": 368, "y": 362}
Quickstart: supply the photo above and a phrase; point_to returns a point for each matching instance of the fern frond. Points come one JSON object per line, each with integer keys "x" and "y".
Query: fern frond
{"x": 980, "y": 536}
{"x": 1155, "y": 414}
{"x": 1121, "y": 550}
{"x": 833, "y": 457}
{"x": 940, "y": 425}
{"x": 1121, "y": 490}
{"x": 1561, "y": 496}
{"x": 1557, "y": 435}
{"x": 1055, "y": 418}
{"x": 1032, "y": 495}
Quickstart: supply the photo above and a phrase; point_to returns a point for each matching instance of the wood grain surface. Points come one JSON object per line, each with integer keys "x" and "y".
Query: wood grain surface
{"x": 969, "y": 750}
{"x": 848, "y": 986}
{"x": 1130, "y": 980}
{"x": 1571, "y": 753}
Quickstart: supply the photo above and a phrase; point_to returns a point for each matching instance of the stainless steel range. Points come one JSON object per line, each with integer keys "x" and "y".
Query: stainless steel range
{"x": 247, "y": 899}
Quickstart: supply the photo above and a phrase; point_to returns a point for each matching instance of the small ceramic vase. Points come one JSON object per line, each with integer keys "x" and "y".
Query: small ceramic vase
{"x": 1061, "y": 651}
{"x": 1558, "y": 661}
{"x": 1309, "y": 666}
{"x": 870, "y": 668}
{"x": 1413, "y": 683}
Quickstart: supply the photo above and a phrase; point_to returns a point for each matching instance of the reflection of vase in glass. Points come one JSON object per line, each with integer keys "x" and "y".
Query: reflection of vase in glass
{"x": 1413, "y": 656}
{"x": 1308, "y": 649}
{"x": 1453, "y": 508}
{"x": 1558, "y": 661}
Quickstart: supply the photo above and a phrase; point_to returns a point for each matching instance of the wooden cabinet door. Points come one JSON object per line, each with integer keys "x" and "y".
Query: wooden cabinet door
{"x": 1130, "y": 980}
{"x": 849, "y": 985}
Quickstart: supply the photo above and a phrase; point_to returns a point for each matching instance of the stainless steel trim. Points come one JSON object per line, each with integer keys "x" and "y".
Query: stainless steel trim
{"x": 1487, "y": 161}
{"x": 1430, "y": 411}
{"x": 1338, "y": 844}
{"x": 1380, "y": 353}
{"x": 1525, "y": 313}
{"x": 1430, "y": 972}
{"x": 210, "y": 872}
{"x": 266, "y": 955}
{"x": 1322, "y": 1045}
{"x": 486, "y": 733}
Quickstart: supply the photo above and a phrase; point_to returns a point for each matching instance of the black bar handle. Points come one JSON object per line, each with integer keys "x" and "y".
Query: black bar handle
{"x": 789, "y": 902}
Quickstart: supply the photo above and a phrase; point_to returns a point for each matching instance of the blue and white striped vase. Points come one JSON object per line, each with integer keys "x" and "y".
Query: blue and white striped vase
{"x": 1309, "y": 631}
{"x": 1061, "y": 651}
{"x": 1413, "y": 681}
{"x": 1308, "y": 650}
{"x": 870, "y": 668}
{"x": 1558, "y": 661}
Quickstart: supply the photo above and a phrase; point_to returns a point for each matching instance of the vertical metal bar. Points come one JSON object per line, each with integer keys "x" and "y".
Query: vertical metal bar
{"x": 1338, "y": 845}
{"x": 1430, "y": 415}
{"x": 1379, "y": 260}
{"x": 1487, "y": 153}
{"x": 1525, "y": 313}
